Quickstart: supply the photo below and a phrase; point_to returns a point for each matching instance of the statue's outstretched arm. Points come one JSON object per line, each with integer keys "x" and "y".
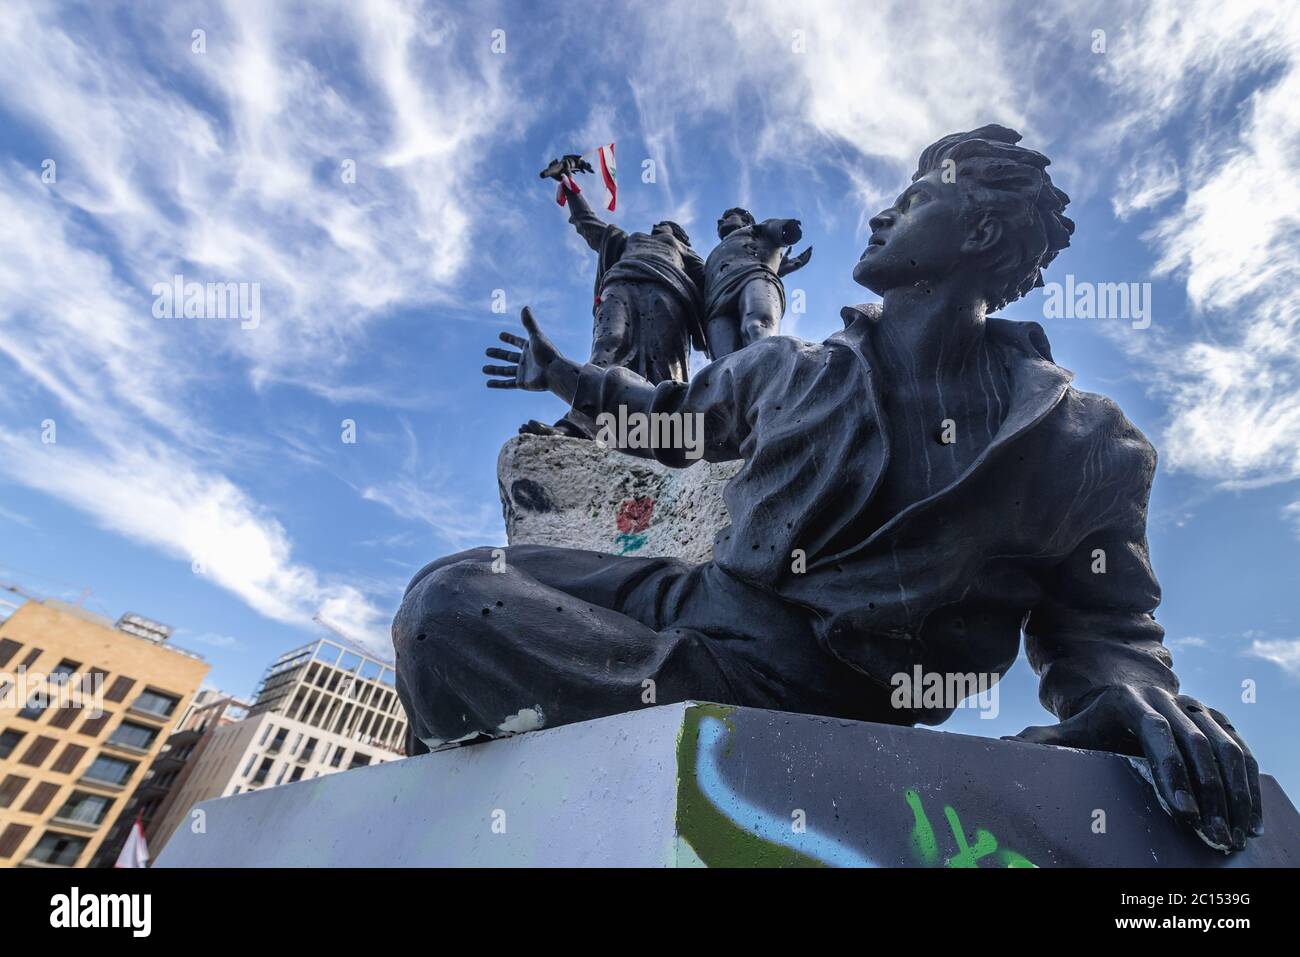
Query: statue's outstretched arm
{"x": 1105, "y": 672}
{"x": 589, "y": 226}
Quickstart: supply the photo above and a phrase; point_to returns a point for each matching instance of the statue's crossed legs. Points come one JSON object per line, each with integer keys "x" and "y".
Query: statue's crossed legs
{"x": 539, "y": 636}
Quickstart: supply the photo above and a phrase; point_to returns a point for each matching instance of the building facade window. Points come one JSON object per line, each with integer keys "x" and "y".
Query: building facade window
{"x": 8, "y": 741}
{"x": 95, "y": 726}
{"x": 262, "y": 771}
{"x": 8, "y": 648}
{"x": 40, "y": 797}
{"x": 11, "y": 837}
{"x": 69, "y": 759}
{"x": 10, "y": 788}
{"x": 156, "y": 703}
{"x": 58, "y": 849}
{"x": 35, "y": 707}
{"x": 38, "y": 751}
{"x": 108, "y": 770}
{"x": 65, "y": 716}
{"x": 131, "y": 735}
{"x": 118, "y": 689}
{"x": 84, "y": 808}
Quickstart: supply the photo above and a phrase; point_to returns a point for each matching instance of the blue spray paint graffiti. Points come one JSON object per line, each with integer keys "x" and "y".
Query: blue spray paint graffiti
{"x": 759, "y": 821}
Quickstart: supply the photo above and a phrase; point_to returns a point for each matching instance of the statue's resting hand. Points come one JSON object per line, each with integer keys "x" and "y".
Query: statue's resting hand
{"x": 529, "y": 368}
{"x": 1202, "y": 770}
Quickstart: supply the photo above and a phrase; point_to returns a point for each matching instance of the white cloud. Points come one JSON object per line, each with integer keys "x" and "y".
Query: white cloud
{"x": 1148, "y": 180}
{"x": 862, "y": 86}
{"x": 1233, "y": 385}
{"x": 1282, "y": 652}
{"x": 244, "y": 181}
{"x": 880, "y": 81}
{"x": 157, "y": 498}
{"x": 222, "y": 166}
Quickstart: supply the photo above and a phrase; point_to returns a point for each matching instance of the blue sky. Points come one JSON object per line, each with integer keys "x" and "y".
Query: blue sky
{"x": 196, "y": 440}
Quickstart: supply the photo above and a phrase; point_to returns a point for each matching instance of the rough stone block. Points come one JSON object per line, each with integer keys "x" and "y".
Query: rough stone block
{"x": 572, "y": 493}
{"x": 691, "y": 784}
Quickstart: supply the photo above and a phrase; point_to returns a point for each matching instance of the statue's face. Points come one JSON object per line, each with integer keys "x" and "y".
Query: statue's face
{"x": 918, "y": 238}
{"x": 729, "y": 224}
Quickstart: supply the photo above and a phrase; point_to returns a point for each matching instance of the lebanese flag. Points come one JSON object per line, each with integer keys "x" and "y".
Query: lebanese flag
{"x": 135, "y": 853}
{"x": 608, "y": 174}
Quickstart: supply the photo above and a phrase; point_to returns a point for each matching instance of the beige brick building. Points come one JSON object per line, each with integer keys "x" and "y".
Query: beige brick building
{"x": 85, "y": 706}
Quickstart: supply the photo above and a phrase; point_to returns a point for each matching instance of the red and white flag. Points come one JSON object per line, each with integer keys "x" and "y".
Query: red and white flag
{"x": 608, "y": 174}
{"x": 569, "y": 183}
{"x": 135, "y": 853}
{"x": 608, "y": 169}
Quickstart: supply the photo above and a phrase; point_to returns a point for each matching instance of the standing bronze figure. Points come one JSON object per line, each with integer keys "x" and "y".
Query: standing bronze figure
{"x": 743, "y": 292}
{"x": 647, "y": 300}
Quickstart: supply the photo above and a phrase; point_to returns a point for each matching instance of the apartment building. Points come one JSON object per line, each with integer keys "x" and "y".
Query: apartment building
{"x": 322, "y": 708}
{"x": 208, "y": 711}
{"x": 85, "y": 706}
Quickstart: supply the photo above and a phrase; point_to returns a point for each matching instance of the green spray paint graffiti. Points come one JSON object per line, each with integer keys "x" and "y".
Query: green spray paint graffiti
{"x": 927, "y": 847}
{"x": 714, "y": 837}
{"x": 721, "y": 822}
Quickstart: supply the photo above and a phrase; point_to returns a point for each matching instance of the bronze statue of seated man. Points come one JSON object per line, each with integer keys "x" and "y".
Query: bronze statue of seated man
{"x": 917, "y": 490}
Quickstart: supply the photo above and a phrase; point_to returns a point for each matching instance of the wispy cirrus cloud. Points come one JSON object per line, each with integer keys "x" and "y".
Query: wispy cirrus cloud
{"x": 1229, "y": 226}
{"x": 231, "y": 163}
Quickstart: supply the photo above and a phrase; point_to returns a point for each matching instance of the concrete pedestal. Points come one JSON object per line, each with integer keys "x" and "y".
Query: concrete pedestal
{"x": 693, "y": 784}
{"x": 574, "y": 494}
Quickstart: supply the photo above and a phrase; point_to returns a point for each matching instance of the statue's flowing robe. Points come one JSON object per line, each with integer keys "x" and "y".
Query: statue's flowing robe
{"x": 657, "y": 282}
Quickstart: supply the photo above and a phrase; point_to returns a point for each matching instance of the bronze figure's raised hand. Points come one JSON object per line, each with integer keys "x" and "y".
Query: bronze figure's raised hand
{"x": 566, "y": 165}
{"x": 528, "y": 368}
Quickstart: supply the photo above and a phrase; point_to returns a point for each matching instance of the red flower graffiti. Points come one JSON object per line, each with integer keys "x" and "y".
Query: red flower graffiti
{"x": 634, "y": 514}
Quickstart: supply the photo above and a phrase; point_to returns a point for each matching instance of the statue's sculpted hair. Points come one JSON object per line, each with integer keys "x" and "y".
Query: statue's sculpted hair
{"x": 1011, "y": 183}
{"x": 680, "y": 233}
{"x": 745, "y": 214}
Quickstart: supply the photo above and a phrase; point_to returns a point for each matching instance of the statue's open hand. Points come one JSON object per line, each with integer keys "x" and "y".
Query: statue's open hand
{"x": 528, "y": 368}
{"x": 1202, "y": 770}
